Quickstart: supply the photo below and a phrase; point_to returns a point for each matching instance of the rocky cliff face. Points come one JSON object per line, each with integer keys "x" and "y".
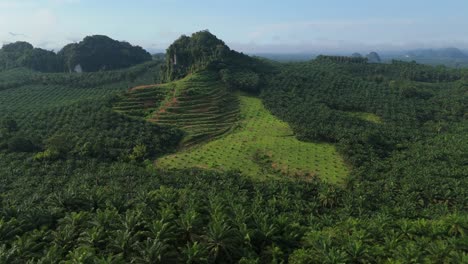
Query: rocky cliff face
{"x": 190, "y": 54}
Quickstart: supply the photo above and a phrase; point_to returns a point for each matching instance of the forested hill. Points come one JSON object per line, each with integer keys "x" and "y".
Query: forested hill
{"x": 23, "y": 54}
{"x": 203, "y": 50}
{"x": 97, "y": 52}
{"x": 94, "y": 53}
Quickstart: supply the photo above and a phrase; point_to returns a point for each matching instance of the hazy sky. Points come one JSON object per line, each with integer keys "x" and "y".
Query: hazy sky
{"x": 246, "y": 25}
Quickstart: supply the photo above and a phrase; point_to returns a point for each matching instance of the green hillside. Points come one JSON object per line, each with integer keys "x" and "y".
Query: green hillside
{"x": 227, "y": 131}
{"x": 262, "y": 147}
{"x": 199, "y": 104}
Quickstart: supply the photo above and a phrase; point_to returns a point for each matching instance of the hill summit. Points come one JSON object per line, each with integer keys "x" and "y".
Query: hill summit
{"x": 98, "y": 52}
{"x": 190, "y": 54}
{"x": 204, "y": 51}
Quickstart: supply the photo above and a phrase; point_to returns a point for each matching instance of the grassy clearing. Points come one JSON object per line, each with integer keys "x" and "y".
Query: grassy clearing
{"x": 367, "y": 117}
{"x": 263, "y": 145}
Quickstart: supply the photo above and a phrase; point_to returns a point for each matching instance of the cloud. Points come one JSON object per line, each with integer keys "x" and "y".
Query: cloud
{"x": 305, "y": 29}
{"x": 11, "y": 5}
{"x": 17, "y": 34}
{"x": 36, "y": 20}
{"x": 65, "y": 1}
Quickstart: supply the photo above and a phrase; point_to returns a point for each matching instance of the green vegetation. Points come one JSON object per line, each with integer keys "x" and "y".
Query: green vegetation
{"x": 57, "y": 122}
{"x": 191, "y": 54}
{"x": 23, "y": 54}
{"x": 261, "y": 147}
{"x": 201, "y": 106}
{"x": 94, "y": 53}
{"x": 203, "y": 51}
{"x": 140, "y": 101}
{"x": 78, "y": 182}
{"x": 137, "y": 75}
{"x": 366, "y": 116}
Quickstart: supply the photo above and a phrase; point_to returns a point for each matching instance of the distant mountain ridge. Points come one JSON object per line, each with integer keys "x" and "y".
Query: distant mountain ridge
{"x": 453, "y": 53}
{"x": 451, "y": 57}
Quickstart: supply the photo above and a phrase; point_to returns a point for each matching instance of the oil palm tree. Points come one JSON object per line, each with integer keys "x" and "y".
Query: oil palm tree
{"x": 222, "y": 241}
{"x": 94, "y": 237}
{"x": 123, "y": 242}
{"x": 195, "y": 253}
{"x": 189, "y": 224}
{"x": 153, "y": 251}
{"x": 9, "y": 229}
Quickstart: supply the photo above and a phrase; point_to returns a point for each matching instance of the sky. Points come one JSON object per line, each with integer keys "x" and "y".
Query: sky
{"x": 251, "y": 26}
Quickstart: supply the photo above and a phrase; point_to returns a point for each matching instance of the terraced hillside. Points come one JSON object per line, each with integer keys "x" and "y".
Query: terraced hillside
{"x": 263, "y": 145}
{"x": 199, "y": 104}
{"x": 140, "y": 101}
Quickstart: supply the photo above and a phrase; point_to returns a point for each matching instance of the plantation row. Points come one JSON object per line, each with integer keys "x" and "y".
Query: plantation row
{"x": 320, "y": 101}
{"x": 87, "y": 130}
{"x": 203, "y": 108}
{"x": 137, "y": 75}
{"x": 140, "y": 102}
{"x": 121, "y": 213}
{"x": 410, "y": 158}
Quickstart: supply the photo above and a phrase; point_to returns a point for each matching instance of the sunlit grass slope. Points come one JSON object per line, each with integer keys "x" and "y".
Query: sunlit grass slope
{"x": 261, "y": 146}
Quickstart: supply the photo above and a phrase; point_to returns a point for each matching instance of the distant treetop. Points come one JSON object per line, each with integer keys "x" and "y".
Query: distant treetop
{"x": 19, "y": 46}
{"x": 99, "y": 52}
{"x": 94, "y": 53}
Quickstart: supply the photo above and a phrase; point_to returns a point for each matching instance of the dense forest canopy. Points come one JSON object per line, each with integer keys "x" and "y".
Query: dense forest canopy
{"x": 78, "y": 182}
{"x": 23, "y": 54}
{"x": 97, "y": 52}
{"x": 93, "y": 53}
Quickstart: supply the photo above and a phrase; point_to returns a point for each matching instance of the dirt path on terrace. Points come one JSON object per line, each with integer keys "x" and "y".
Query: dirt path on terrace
{"x": 143, "y": 87}
{"x": 168, "y": 104}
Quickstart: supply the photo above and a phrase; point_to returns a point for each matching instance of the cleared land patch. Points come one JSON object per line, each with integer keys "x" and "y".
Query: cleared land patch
{"x": 366, "y": 117}
{"x": 263, "y": 145}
